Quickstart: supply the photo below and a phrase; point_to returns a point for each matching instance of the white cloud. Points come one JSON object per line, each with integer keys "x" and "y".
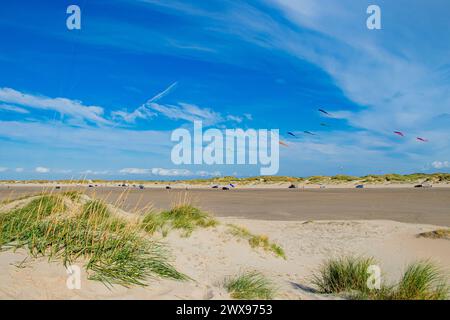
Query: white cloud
{"x": 87, "y": 137}
{"x": 42, "y": 170}
{"x": 63, "y": 171}
{"x": 180, "y": 111}
{"x": 135, "y": 171}
{"x": 208, "y": 174}
{"x": 94, "y": 172}
{"x": 19, "y": 169}
{"x": 8, "y": 107}
{"x": 234, "y": 118}
{"x": 441, "y": 164}
{"x": 3, "y": 169}
{"x": 170, "y": 172}
{"x": 64, "y": 106}
{"x": 188, "y": 112}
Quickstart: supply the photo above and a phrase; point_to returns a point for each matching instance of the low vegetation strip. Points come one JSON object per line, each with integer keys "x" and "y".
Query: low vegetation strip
{"x": 182, "y": 217}
{"x": 349, "y": 277}
{"x": 257, "y": 241}
{"x": 249, "y": 286}
{"x": 114, "y": 251}
{"x": 436, "y": 234}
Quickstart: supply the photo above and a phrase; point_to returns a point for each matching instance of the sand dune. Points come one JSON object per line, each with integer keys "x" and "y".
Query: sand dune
{"x": 209, "y": 255}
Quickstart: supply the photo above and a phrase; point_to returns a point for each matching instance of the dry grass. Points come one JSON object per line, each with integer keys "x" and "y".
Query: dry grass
{"x": 257, "y": 241}
{"x": 436, "y": 234}
{"x": 113, "y": 250}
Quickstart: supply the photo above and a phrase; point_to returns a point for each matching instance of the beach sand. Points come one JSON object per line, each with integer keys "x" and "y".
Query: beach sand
{"x": 208, "y": 256}
{"x": 422, "y": 206}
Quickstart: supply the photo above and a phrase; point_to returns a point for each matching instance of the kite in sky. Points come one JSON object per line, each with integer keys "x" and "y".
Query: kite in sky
{"x": 310, "y": 133}
{"x": 291, "y": 134}
{"x": 399, "y": 133}
{"x": 324, "y": 125}
{"x": 324, "y": 112}
{"x": 422, "y": 139}
{"x": 283, "y": 144}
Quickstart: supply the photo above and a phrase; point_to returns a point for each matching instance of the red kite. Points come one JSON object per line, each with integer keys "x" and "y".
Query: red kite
{"x": 283, "y": 144}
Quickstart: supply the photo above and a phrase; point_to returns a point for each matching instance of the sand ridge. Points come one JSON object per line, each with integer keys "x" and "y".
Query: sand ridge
{"x": 209, "y": 255}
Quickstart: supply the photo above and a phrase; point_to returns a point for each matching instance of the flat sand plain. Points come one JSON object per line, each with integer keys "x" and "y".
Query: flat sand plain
{"x": 402, "y": 204}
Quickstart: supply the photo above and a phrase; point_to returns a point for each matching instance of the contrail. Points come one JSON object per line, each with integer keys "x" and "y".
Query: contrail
{"x": 162, "y": 94}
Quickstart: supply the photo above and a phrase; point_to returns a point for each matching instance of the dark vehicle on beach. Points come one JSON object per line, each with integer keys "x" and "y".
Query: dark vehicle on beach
{"x": 360, "y": 186}
{"x": 225, "y": 188}
{"x": 418, "y": 186}
{"x": 141, "y": 187}
{"x": 168, "y": 187}
{"x": 215, "y": 187}
{"x": 292, "y": 186}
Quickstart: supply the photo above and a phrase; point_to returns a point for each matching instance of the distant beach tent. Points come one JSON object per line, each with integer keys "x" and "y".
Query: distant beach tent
{"x": 399, "y": 133}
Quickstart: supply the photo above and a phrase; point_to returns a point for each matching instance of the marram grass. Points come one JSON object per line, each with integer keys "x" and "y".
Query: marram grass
{"x": 183, "y": 217}
{"x": 257, "y": 241}
{"x": 250, "y": 286}
{"x": 114, "y": 250}
{"x": 343, "y": 275}
{"x": 348, "y": 276}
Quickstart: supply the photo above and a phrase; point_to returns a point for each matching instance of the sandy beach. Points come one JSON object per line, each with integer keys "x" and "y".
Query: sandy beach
{"x": 209, "y": 255}
{"x": 402, "y": 204}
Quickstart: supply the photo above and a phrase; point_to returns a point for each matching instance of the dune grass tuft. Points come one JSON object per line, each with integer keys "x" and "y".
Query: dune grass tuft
{"x": 114, "y": 251}
{"x": 421, "y": 281}
{"x": 436, "y": 234}
{"x": 343, "y": 275}
{"x": 257, "y": 241}
{"x": 249, "y": 286}
{"x": 183, "y": 217}
{"x": 348, "y": 276}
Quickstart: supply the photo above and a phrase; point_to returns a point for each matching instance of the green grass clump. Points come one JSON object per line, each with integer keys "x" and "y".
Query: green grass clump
{"x": 343, "y": 178}
{"x": 249, "y": 286}
{"x": 183, "y": 217}
{"x": 436, "y": 234}
{"x": 257, "y": 241}
{"x": 114, "y": 253}
{"x": 421, "y": 281}
{"x": 348, "y": 276}
{"x": 343, "y": 275}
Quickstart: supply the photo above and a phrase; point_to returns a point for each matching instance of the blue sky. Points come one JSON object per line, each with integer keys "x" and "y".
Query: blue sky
{"x": 71, "y": 101}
